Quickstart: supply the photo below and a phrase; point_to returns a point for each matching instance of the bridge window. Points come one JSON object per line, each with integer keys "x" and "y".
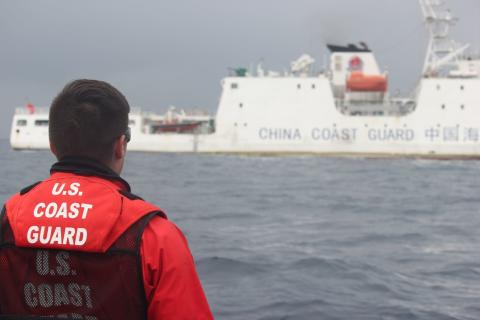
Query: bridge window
{"x": 131, "y": 122}
{"x": 41, "y": 123}
{"x": 21, "y": 122}
{"x": 299, "y": 86}
{"x": 234, "y": 85}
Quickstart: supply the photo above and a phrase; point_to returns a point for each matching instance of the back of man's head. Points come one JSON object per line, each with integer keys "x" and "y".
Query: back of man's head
{"x": 86, "y": 118}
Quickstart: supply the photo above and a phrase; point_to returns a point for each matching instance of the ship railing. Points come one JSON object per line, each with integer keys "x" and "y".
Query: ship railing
{"x": 388, "y": 107}
{"x": 188, "y": 113}
{"x": 34, "y": 110}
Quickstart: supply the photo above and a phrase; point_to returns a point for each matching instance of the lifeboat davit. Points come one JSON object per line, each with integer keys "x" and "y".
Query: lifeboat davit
{"x": 358, "y": 81}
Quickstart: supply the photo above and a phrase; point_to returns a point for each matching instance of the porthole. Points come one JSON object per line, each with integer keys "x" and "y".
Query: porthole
{"x": 299, "y": 86}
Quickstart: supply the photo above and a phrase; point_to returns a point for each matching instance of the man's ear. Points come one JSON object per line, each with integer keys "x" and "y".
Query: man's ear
{"x": 120, "y": 148}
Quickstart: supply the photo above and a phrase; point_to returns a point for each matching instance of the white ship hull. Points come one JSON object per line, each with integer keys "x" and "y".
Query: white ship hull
{"x": 445, "y": 123}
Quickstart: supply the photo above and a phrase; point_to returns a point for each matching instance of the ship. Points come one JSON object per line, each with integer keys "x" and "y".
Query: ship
{"x": 345, "y": 110}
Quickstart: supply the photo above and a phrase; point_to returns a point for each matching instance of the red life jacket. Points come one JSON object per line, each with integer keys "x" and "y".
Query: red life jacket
{"x": 70, "y": 247}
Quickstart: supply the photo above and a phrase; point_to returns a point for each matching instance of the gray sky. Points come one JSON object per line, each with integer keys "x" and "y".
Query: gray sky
{"x": 161, "y": 53}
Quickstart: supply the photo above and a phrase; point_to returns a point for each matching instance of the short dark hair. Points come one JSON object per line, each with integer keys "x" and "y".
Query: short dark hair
{"x": 85, "y": 119}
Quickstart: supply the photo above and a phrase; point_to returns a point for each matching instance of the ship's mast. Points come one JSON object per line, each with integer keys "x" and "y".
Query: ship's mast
{"x": 442, "y": 51}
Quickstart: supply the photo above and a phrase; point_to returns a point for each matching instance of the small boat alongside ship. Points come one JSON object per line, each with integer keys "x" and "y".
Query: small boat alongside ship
{"x": 346, "y": 110}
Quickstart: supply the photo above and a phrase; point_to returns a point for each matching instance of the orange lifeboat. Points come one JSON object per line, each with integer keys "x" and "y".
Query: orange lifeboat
{"x": 361, "y": 82}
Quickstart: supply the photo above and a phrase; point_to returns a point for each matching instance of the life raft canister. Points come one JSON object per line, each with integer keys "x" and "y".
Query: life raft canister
{"x": 358, "y": 81}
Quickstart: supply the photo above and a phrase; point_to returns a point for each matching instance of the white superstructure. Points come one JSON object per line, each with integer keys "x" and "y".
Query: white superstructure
{"x": 344, "y": 111}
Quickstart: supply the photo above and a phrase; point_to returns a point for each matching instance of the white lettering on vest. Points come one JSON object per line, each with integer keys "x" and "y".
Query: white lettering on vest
{"x": 59, "y": 189}
{"x": 62, "y": 210}
{"x": 85, "y": 207}
{"x": 32, "y": 234}
{"x": 36, "y": 212}
{"x": 29, "y": 292}
{"x": 73, "y": 189}
{"x": 56, "y": 191}
{"x": 68, "y": 236}
{"x": 47, "y": 295}
{"x": 57, "y": 235}
{"x": 51, "y": 210}
{"x": 74, "y": 210}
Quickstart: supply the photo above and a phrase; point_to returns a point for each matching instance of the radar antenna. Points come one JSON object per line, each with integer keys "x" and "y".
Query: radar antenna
{"x": 442, "y": 51}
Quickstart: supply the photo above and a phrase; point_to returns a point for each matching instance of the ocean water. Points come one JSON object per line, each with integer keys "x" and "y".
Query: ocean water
{"x": 311, "y": 237}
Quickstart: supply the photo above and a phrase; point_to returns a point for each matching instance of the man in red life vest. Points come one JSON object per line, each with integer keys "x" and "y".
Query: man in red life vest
{"x": 80, "y": 245}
